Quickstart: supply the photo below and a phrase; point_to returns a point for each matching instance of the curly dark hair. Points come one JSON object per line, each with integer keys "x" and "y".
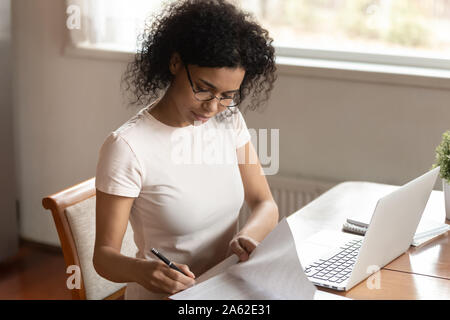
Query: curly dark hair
{"x": 206, "y": 33}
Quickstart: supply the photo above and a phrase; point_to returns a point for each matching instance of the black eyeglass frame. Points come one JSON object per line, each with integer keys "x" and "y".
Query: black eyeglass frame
{"x": 213, "y": 96}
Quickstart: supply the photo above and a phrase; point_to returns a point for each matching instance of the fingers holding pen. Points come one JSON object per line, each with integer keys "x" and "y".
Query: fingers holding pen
{"x": 163, "y": 276}
{"x": 185, "y": 269}
{"x": 186, "y": 279}
{"x": 172, "y": 265}
{"x": 157, "y": 276}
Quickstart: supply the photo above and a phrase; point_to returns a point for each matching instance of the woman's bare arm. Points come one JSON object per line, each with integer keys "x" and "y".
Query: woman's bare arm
{"x": 112, "y": 213}
{"x": 264, "y": 211}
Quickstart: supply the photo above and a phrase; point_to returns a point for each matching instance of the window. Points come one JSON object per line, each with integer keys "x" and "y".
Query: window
{"x": 399, "y": 32}
{"x": 408, "y": 32}
{"x": 112, "y": 24}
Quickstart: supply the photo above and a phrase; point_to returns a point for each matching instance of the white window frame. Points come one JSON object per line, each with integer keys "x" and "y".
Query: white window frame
{"x": 331, "y": 64}
{"x": 366, "y": 57}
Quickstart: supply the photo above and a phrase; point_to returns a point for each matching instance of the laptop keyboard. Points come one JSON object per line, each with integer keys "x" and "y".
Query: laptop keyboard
{"x": 338, "y": 267}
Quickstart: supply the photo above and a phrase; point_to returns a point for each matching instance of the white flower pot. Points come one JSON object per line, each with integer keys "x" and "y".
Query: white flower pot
{"x": 446, "y": 188}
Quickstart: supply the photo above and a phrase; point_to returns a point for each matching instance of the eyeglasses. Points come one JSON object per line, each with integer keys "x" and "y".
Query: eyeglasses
{"x": 206, "y": 95}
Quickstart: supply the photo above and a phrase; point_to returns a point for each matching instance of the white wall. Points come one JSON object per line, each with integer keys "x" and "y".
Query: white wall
{"x": 338, "y": 130}
{"x": 9, "y": 241}
{"x": 64, "y": 108}
{"x": 332, "y": 130}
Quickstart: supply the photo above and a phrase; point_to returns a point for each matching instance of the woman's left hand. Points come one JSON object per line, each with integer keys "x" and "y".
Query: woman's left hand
{"x": 242, "y": 246}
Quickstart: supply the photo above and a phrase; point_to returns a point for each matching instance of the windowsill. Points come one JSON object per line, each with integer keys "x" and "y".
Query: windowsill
{"x": 314, "y": 68}
{"x": 365, "y": 72}
{"x": 94, "y": 52}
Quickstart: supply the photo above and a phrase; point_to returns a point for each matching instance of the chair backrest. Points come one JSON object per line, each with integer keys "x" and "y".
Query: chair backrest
{"x": 73, "y": 211}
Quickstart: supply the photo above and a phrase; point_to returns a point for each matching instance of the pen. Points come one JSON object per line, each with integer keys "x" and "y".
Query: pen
{"x": 166, "y": 261}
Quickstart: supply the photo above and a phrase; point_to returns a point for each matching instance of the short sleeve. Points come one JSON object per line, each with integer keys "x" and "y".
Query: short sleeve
{"x": 242, "y": 134}
{"x": 118, "y": 170}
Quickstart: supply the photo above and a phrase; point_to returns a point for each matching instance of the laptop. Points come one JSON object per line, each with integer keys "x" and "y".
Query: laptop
{"x": 390, "y": 233}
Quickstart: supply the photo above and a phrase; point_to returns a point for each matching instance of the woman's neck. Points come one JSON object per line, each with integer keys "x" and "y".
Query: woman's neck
{"x": 166, "y": 112}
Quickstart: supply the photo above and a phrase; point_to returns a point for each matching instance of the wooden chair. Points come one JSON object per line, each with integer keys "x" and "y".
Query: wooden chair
{"x": 73, "y": 211}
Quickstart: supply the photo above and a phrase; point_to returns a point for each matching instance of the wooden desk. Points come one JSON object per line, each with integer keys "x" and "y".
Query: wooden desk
{"x": 396, "y": 285}
{"x": 430, "y": 259}
{"x": 421, "y": 273}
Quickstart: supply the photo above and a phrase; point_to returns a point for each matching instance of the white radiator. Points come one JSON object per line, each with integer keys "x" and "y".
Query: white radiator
{"x": 290, "y": 194}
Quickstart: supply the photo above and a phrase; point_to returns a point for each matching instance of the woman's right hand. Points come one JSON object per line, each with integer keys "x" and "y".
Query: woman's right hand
{"x": 158, "y": 277}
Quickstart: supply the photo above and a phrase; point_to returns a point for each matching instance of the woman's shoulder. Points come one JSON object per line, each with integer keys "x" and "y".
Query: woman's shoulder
{"x": 137, "y": 128}
{"x": 132, "y": 133}
{"x": 135, "y": 123}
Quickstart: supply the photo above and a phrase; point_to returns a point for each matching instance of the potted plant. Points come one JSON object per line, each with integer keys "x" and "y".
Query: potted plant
{"x": 443, "y": 160}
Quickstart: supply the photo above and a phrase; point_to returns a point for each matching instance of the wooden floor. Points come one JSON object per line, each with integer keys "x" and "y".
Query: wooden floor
{"x": 37, "y": 272}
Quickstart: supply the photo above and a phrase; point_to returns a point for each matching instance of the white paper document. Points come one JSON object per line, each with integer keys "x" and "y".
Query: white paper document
{"x": 273, "y": 271}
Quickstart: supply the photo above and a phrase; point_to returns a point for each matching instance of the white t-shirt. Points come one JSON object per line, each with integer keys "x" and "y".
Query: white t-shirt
{"x": 187, "y": 185}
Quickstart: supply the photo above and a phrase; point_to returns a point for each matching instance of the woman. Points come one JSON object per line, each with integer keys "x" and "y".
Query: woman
{"x": 206, "y": 58}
